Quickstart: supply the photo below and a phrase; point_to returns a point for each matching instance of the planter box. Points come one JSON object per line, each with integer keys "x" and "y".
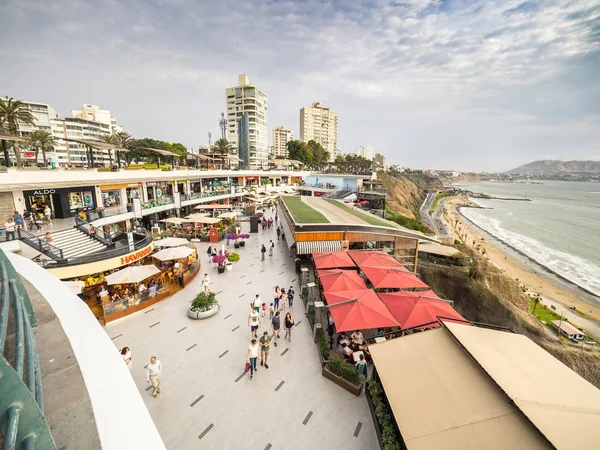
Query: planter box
{"x": 374, "y": 417}
{"x": 229, "y": 266}
{"x": 203, "y": 314}
{"x": 242, "y": 244}
{"x": 221, "y": 269}
{"x": 236, "y": 245}
{"x": 352, "y": 388}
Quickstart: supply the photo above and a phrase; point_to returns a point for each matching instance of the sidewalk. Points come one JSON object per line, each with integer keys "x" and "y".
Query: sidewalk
{"x": 204, "y": 397}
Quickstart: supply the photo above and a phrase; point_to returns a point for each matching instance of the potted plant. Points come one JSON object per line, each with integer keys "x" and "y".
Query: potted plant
{"x": 232, "y": 258}
{"x": 220, "y": 260}
{"x": 203, "y": 306}
{"x": 235, "y": 237}
{"x": 242, "y": 237}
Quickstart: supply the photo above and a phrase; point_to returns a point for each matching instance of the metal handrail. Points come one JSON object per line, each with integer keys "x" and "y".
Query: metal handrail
{"x": 106, "y": 254}
{"x": 21, "y": 397}
{"x": 44, "y": 247}
{"x": 99, "y": 235}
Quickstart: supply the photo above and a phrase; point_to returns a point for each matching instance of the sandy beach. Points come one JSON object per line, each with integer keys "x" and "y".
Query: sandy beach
{"x": 535, "y": 278}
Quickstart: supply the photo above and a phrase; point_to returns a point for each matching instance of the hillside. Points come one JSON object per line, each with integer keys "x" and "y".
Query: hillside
{"x": 406, "y": 192}
{"x": 561, "y": 169}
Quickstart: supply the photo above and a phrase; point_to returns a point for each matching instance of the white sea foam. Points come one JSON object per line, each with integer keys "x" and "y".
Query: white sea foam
{"x": 580, "y": 271}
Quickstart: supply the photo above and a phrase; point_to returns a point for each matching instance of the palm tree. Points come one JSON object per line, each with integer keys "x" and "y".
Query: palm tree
{"x": 222, "y": 147}
{"x": 537, "y": 299}
{"x": 41, "y": 139}
{"x": 110, "y": 139}
{"x": 13, "y": 112}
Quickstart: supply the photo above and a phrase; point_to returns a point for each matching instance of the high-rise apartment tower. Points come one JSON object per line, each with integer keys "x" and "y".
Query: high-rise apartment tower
{"x": 321, "y": 125}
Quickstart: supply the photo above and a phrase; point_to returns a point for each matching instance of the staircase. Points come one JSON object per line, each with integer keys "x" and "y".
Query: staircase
{"x": 75, "y": 243}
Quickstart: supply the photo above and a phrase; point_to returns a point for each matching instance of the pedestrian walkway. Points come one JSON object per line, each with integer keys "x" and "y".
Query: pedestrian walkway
{"x": 206, "y": 401}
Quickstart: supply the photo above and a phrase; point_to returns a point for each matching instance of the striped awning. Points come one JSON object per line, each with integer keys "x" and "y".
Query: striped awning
{"x": 305, "y": 248}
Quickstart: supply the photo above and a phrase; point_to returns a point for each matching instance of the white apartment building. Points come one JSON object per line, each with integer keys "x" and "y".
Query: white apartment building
{"x": 367, "y": 151}
{"x": 321, "y": 125}
{"x": 47, "y": 119}
{"x": 246, "y": 97}
{"x": 281, "y": 136}
{"x": 93, "y": 113}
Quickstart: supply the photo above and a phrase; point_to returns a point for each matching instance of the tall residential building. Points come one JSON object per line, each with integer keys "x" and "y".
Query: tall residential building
{"x": 367, "y": 151}
{"x": 380, "y": 161}
{"x": 321, "y": 125}
{"x": 93, "y": 113}
{"x": 243, "y": 138}
{"x": 281, "y": 136}
{"x": 47, "y": 119}
{"x": 247, "y": 98}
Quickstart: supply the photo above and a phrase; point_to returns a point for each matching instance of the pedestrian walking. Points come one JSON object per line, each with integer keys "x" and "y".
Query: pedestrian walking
{"x": 153, "y": 371}
{"x": 263, "y": 250}
{"x": 209, "y": 254}
{"x": 271, "y": 311}
{"x": 9, "y": 228}
{"x": 278, "y": 232}
{"x": 271, "y": 247}
{"x": 361, "y": 366}
{"x": 276, "y": 217}
{"x": 18, "y": 219}
{"x": 227, "y": 238}
{"x": 289, "y": 324}
{"x": 276, "y": 297}
{"x": 205, "y": 283}
{"x": 264, "y": 343}
{"x": 290, "y": 296}
{"x": 276, "y": 326}
{"x": 48, "y": 214}
{"x": 126, "y": 354}
{"x": 254, "y": 322}
{"x": 263, "y": 309}
{"x": 252, "y": 356}
{"x": 257, "y": 303}
{"x": 282, "y": 297}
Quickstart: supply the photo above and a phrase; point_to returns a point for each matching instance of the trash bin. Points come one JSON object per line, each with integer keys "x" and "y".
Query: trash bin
{"x": 254, "y": 224}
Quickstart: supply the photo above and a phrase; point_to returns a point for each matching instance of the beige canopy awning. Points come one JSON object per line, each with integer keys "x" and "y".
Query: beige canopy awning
{"x": 170, "y": 253}
{"x": 132, "y": 274}
{"x": 175, "y": 220}
{"x": 171, "y": 242}
{"x": 76, "y": 286}
{"x": 10, "y": 137}
{"x": 228, "y": 215}
{"x": 200, "y": 218}
{"x": 158, "y": 151}
{"x": 213, "y": 207}
{"x": 199, "y": 156}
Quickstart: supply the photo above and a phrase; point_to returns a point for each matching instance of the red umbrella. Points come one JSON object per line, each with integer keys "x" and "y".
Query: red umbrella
{"x": 358, "y": 310}
{"x": 341, "y": 280}
{"x": 374, "y": 259}
{"x": 411, "y": 311}
{"x": 332, "y": 260}
{"x": 392, "y": 277}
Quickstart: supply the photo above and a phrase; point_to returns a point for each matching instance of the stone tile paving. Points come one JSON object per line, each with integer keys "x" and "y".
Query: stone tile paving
{"x": 205, "y": 400}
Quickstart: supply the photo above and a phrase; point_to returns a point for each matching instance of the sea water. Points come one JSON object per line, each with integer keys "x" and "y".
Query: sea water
{"x": 559, "y": 228}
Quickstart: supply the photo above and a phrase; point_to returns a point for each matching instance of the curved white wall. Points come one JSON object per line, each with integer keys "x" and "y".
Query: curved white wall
{"x": 115, "y": 398}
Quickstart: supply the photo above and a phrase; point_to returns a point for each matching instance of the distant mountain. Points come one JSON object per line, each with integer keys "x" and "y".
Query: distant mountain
{"x": 559, "y": 169}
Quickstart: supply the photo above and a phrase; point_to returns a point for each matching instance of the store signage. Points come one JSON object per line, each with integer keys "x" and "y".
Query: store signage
{"x": 132, "y": 257}
{"x": 45, "y": 192}
{"x": 137, "y": 208}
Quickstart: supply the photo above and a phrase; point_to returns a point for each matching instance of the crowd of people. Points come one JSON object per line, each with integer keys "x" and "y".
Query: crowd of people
{"x": 27, "y": 220}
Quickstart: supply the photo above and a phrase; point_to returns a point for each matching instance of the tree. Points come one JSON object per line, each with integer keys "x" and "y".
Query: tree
{"x": 13, "y": 112}
{"x": 138, "y": 154}
{"x": 124, "y": 139}
{"x": 179, "y": 149}
{"x": 222, "y": 148}
{"x": 300, "y": 151}
{"x": 41, "y": 139}
{"x": 537, "y": 299}
{"x": 112, "y": 140}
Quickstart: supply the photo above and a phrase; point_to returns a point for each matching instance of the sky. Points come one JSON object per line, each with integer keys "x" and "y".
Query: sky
{"x": 465, "y": 85}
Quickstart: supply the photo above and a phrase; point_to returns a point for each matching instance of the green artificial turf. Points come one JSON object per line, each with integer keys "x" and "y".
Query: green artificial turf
{"x": 361, "y": 215}
{"x": 301, "y": 212}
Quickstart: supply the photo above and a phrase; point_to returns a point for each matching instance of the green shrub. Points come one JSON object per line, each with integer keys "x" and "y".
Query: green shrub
{"x": 389, "y": 434}
{"x": 311, "y": 315}
{"x": 343, "y": 369}
{"x": 233, "y": 257}
{"x": 322, "y": 343}
{"x": 203, "y": 301}
{"x": 304, "y": 293}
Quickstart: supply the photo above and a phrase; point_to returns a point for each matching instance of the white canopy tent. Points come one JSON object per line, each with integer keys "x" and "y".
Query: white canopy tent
{"x": 170, "y": 253}
{"x": 171, "y": 242}
{"x": 132, "y": 274}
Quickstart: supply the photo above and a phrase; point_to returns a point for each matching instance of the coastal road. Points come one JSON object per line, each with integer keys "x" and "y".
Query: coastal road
{"x": 591, "y": 327}
{"x": 424, "y": 210}
{"x": 433, "y": 220}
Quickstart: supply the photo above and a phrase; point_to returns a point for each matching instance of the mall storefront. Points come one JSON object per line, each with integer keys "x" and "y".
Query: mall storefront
{"x": 64, "y": 202}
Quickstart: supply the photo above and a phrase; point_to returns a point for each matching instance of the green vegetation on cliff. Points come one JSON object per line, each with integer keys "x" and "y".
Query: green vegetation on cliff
{"x": 407, "y": 222}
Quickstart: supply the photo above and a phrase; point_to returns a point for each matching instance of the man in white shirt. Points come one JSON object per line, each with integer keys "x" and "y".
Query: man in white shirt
{"x": 153, "y": 371}
{"x": 9, "y": 228}
{"x": 205, "y": 284}
{"x": 141, "y": 289}
{"x": 257, "y": 303}
{"x": 254, "y": 323}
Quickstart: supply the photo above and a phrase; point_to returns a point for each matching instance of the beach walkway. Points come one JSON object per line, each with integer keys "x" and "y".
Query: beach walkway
{"x": 206, "y": 402}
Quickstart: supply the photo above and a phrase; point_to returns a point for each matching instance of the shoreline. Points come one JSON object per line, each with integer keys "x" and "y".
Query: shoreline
{"x": 551, "y": 286}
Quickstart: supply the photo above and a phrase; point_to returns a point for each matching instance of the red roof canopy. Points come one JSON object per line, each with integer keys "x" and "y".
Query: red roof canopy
{"x": 392, "y": 277}
{"x": 358, "y": 310}
{"x": 373, "y": 259}
{"x": 332, "y": 260}
{"x": 412, "y": 311}
{"x": 341, "y": 280}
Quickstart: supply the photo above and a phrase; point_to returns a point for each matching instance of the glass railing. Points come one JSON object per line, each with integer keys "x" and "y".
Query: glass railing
{"x": 22, "y": 399}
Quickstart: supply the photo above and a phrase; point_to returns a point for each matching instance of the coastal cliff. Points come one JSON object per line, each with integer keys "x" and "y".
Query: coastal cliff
{"x": 406, "y": 192}
{"x": 482, "y": 293}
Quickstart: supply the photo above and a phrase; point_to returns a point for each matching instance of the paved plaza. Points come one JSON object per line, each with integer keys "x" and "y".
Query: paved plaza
{"x": 205, "y": 402}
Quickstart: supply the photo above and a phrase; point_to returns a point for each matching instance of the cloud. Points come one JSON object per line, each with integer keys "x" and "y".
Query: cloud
{"x": 410, "y": 77}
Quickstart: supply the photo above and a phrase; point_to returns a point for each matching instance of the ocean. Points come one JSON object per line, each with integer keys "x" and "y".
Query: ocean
{"x": 559, "y": 228}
